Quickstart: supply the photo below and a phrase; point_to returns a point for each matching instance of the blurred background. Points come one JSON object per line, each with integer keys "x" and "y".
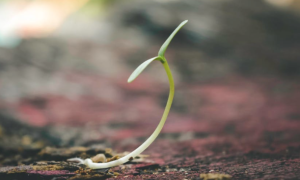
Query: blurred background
{"x": 64, "y": 66}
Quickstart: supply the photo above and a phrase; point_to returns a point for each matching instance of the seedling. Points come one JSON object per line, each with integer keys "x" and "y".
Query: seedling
{"x": 161, "y": 57}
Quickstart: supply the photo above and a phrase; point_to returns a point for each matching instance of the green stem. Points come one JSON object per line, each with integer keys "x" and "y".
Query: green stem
{"x": 171, "y": 93}
{"x": 147, "y": 143}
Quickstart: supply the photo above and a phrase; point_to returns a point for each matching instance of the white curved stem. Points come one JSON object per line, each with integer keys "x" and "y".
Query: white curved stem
{"x": 89, "y": 163}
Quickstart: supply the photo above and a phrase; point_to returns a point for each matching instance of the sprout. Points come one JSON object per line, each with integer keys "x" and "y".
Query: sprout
{"x": 88, "y": 162}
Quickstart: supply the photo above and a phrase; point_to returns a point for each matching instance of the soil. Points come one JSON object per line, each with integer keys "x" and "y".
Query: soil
{"x": 217, "y": 140}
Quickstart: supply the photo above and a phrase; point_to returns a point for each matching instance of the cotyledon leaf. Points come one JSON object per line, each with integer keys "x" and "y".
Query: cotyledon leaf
{"x": 139, "y": 69}
{"x": 163, "y": 48}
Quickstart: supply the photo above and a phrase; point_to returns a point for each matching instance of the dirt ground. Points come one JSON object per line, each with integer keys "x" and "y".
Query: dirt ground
{"x": 257, "y": 140}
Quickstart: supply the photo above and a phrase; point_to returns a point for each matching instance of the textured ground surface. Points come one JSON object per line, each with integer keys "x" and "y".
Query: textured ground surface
{"x": 247, "y": 129}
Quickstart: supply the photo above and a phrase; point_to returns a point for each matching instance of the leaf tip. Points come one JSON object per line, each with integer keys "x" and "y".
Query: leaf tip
{"x": 129, "y": 80}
